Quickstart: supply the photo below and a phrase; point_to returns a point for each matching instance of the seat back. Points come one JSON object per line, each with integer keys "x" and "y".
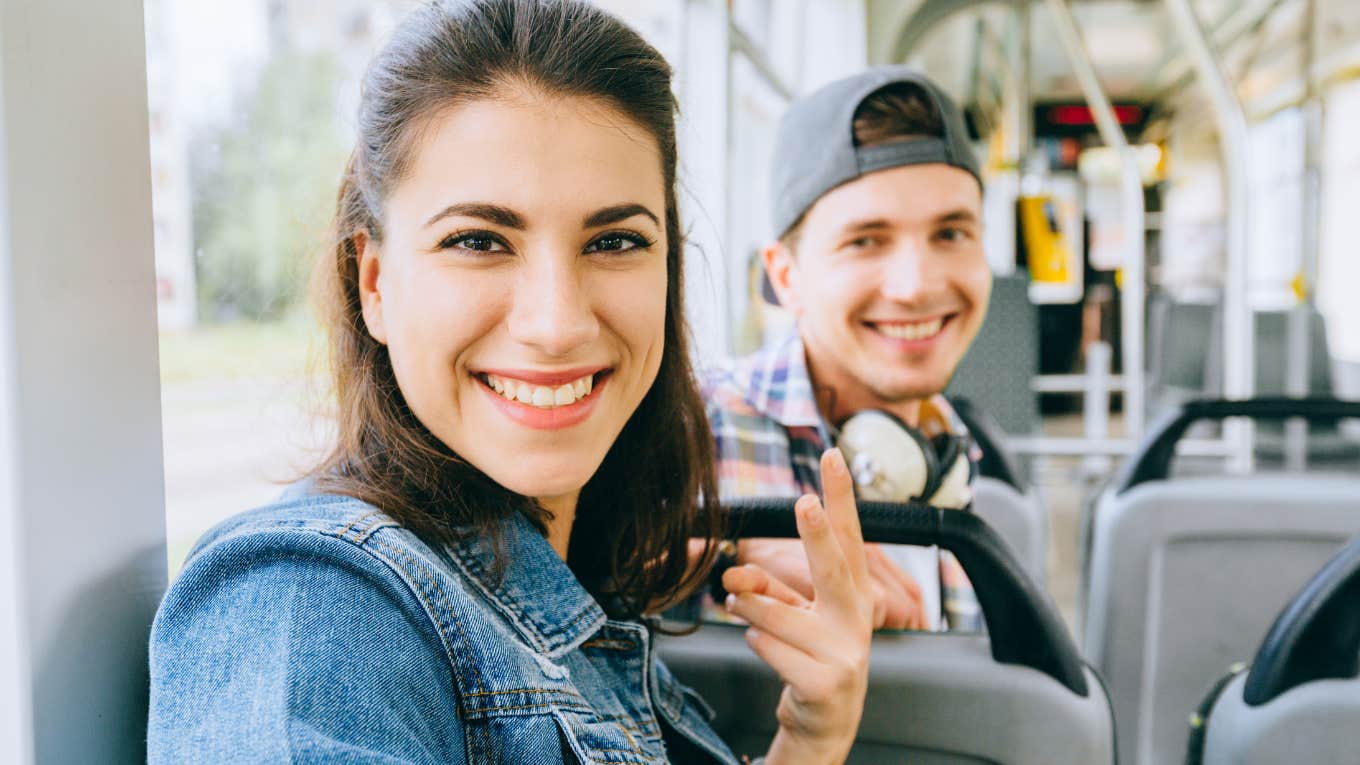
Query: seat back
{"x": 1001, "y": 495}
{"x": 1301, "y": 699}
{"x": 996, "y": 370}
{"x": 1187, "y": 574}
{"x": 1019, "y": 519}
{"x": 1185, "y": 579}
{"x": 1017, "y": 695}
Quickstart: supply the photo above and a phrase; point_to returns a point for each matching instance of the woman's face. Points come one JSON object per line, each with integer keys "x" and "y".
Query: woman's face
{"x": 520, "y": 286}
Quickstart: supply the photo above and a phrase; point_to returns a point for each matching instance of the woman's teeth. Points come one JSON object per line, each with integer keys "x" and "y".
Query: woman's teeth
{"x": 918, "y": 331}
{"x": 541, "y": 396}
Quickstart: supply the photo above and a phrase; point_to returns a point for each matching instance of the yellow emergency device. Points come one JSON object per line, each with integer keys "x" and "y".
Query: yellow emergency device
{"x": 1046, "y": 249}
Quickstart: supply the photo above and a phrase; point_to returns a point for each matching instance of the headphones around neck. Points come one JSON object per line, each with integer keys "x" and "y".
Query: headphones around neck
{"x": 891, "y": 461}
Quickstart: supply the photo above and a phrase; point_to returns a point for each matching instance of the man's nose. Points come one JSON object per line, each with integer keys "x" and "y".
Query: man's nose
{"x": 908, "y": 273}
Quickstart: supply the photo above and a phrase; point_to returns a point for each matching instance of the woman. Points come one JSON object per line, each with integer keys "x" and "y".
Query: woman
{"x": 520, "y": 447}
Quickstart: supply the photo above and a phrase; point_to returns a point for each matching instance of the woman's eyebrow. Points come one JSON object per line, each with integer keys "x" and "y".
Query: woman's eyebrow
{"x": 607, "y": 215}
{"x": 501, "y": 216}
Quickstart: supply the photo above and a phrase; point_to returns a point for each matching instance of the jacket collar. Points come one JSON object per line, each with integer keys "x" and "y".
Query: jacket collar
{"x": 536, "y": 591}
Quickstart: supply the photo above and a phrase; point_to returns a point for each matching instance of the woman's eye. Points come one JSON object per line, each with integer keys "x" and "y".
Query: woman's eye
{"x": 617, "y": 243}
{"x": 862, "y": 243}
{"x": 475, "y": 241}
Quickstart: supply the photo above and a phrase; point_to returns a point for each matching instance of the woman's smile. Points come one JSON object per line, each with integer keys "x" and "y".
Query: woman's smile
{"x": 544, "y": 400}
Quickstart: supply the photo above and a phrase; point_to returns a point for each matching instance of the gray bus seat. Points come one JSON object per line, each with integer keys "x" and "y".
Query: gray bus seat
{"x": 1300, "y": 701}
{"x": 996, "y": 370}
{"x": 1178, "y": 333}
{"x": 1186, "y": 574}
{"x": 1001, "y": 495}
{"x": 1326, "y": 446}
{"x": 1018, "y": 695}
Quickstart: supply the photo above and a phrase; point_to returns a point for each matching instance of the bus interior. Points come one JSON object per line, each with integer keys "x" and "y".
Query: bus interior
{"x": 1165, "y": 537}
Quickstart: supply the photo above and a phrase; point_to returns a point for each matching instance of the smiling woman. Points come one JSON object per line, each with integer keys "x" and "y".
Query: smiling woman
{"x": 521, "y": 455}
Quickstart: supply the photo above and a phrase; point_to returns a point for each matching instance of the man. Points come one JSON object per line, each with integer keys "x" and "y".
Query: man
{"x": 878, "y": 204}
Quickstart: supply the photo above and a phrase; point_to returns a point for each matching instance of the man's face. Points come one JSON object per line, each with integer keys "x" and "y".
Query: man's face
{"x": 889, "y": 283}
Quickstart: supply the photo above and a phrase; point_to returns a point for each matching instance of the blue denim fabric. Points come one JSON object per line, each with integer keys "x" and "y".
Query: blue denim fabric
{"x": 319, "y": 630}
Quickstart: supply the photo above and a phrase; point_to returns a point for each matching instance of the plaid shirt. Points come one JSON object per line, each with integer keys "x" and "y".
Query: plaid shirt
{"x": 770, "y": 437}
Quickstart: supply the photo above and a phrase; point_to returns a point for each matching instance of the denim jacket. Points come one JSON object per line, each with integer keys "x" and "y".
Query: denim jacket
{"x": 319, "y": 630}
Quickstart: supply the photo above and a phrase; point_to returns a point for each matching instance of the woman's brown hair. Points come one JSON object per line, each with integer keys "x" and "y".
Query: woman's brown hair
{"x": 655, "y": 488}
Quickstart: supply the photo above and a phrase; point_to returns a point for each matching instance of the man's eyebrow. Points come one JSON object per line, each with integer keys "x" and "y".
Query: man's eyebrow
{"x": 962, "y": 215}
{"x": 615, "y": 213}
{"x": 501, "y": 216}
{"x": 867, "y": 224}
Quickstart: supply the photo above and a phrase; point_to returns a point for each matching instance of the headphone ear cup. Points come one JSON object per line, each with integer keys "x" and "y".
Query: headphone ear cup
{"x": 888, "y": 460}
{"x": 955, "y": 490}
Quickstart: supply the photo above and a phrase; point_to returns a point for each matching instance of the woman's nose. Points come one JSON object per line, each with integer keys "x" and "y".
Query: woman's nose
{"x": 553, "y": 310}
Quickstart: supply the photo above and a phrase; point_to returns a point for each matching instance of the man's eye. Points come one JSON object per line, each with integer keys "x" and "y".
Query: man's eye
{"x": 475, "y": 241}
{"x": 617, "y": 242}
{"x": 863, "y": 243}
{"x": 955, "y": 235}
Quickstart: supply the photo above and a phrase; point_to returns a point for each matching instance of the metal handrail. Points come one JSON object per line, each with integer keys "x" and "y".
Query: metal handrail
{"x": 1131, "y": 190}
{"x": 1238, "y": 339}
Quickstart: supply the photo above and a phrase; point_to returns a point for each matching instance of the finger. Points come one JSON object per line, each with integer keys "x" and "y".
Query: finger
{"x": 839, "y": 490}
{"x": 793, "y": 666}
{"x": 906, "y": 581}
{"x": 784, "y": 559}
{"x": 832, "y": 582}
{"x": 880, "y": 605}
{"x": 754, "y": 579}
{"x": 896, "y": 605}
{"x": 801, "y": 628}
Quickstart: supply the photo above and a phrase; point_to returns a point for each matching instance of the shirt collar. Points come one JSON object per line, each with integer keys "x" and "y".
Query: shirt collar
{"x": 779, "y": 385}
{"x": 536, "y": 591}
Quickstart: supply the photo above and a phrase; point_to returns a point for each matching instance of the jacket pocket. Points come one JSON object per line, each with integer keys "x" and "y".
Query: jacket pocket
{"x": 595, "y": 741}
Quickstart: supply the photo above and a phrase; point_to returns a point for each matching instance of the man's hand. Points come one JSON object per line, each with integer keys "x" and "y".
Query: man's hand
{"x": 897, "y": 597}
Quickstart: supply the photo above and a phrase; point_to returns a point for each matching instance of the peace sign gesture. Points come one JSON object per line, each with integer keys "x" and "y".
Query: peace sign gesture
{"x": 819, "y": 647}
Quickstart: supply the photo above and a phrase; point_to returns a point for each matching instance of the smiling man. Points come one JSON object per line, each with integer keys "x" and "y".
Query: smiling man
{"x": 878, "y": 205}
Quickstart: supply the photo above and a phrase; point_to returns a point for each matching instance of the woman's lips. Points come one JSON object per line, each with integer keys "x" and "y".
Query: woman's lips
{"x": 551, "y": 402}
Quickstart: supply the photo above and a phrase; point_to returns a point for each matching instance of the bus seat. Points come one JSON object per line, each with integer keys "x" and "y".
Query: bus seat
{"x": 996, "y": 370}
{"x": 1002, "y": 496}
{"x": 1178, "y": 332}
{"x": 1017, "y": 695}
{"x": 1186, "y": 573}
{"x": 1300, "y": 700}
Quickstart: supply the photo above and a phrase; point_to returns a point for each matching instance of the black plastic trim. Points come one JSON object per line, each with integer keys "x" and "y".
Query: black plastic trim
{"x": 1023, "y": 626}
{"x": 1152, "y": 460}
{"x": 1316, "y": 637}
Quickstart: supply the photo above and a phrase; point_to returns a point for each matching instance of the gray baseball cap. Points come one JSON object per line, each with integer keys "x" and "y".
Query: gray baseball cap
{"x": 815, "y": 151}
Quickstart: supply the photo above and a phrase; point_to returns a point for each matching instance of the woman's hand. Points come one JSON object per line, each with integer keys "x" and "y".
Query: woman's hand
{"x": 819, "y": 647}
{"x": 898, "y": 603}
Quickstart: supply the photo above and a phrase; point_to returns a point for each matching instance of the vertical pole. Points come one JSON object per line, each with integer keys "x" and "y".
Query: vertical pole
{"x": 703, "y": 165}
{"x": 1238, "y": 329}
{"x": 82, "y": 514}
{"x": 1131, "y": 188}
{"x": 1299, "y": 351}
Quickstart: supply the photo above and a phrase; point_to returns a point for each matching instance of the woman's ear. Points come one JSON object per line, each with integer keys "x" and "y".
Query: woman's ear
{"x": 369, "y": 258}
{"x": 782, "y": 269}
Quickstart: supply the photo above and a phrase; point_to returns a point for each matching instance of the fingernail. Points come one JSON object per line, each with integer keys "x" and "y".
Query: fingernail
{"x": 811, "y": 511}
{"x": 837, "y": 462}
{"x": 731, "y": 601}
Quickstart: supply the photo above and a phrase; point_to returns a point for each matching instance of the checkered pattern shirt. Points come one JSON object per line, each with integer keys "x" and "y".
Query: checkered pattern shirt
{"x": 770, "y": 437}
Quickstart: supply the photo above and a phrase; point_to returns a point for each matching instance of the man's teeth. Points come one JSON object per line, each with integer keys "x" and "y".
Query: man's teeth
{"x": 919, "y": 331}
{"x": 542, "y": 396}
